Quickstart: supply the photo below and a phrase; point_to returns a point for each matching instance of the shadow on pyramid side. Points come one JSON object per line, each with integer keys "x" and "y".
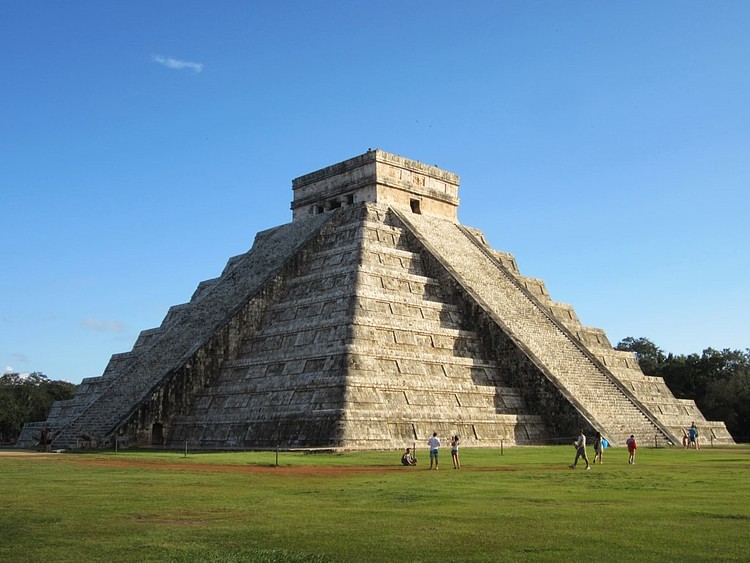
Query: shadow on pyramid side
{"x": 370, "y": 321}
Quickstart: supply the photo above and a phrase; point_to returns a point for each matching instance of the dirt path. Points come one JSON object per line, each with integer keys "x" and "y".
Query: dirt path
{"x": 93, "y": 461}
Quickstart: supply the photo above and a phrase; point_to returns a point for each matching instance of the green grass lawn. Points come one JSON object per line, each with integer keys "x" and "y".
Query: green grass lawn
{"x": 525, "y": 505}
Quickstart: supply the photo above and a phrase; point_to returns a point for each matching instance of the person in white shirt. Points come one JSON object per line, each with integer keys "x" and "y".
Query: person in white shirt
{"x": 580, "y": 446}
{"x": 434, "y": 445}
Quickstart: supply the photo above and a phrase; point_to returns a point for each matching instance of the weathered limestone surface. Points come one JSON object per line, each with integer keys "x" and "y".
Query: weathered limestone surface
{"x": 370, "y": 321}
{"x": 674, "y": 414}
{"x": 603, "y": 400}
{"x": 179, "y": 343}
{"x": 377, "y": 176}
{"x": 360, "y": 350}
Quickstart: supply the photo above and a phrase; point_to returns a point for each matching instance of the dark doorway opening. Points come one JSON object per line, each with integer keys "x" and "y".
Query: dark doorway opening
{"x": 157, "y": 434}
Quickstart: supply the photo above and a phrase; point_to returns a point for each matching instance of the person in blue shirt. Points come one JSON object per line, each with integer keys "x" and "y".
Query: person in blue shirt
{"x": 693, "y": 437}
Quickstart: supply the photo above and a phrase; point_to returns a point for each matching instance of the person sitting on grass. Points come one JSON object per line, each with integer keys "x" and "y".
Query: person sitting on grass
{"x": 408, "y": 458}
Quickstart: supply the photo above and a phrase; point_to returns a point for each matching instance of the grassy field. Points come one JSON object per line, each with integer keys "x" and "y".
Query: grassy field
{"x": 525, "y": 505}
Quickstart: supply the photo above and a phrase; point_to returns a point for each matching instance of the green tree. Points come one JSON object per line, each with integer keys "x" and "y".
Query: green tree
{"x": 729, "y": 400}
{"x": 717, "y": 380}
{"x": 691, "y": 376}
{"x": 650, "y": 357}
{"x": 27, "y": 399}
{"x": 724, "y": 389}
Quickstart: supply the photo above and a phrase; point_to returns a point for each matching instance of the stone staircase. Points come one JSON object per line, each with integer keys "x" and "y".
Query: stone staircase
{"x": 674, "y": 414}
{"x": 590, "y": 387}
{"x": 185, "y": 329}
{"x": 360, "y": 350}
{"x": 286, "y": 385}
{"x": 415, "y": 366}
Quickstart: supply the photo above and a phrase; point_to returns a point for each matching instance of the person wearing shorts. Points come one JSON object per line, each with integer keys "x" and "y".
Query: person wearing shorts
{"x": 580, "y": 446}
{"x": 454, "y": 453}
{"x": 434, "y": 445}
{"x": 632, "y": 446}
{"x": 693, "y": 437}
{"x": 598, "y": 447}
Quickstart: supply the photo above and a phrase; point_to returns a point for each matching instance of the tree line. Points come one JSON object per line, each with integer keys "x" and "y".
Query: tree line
{"x": 717, "y": 380}
{"x": 27, "y": 398}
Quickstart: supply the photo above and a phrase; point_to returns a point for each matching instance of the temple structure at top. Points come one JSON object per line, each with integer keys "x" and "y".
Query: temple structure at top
{"x": 377, "y": 177}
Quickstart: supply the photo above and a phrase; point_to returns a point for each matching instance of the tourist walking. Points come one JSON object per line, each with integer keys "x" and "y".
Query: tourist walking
{"x": 434, "y": 445}
{"x": 454, "y": 453}
{"x": 598, "y": 447}
{"x": 693, "y": 437}
{"x": 580, "y": 446}
{"x": 632, "y": 446}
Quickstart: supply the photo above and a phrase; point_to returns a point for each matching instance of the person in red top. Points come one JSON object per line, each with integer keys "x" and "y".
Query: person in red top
{"x": 632, "y": 446}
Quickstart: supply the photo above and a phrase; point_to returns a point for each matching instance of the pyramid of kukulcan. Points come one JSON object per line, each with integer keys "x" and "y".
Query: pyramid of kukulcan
{"x": 371, "y": 320}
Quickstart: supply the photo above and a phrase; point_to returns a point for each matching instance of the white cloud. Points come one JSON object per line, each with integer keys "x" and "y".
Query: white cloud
{"x": 102, "y": 326}
{"x": 177, "y": 64}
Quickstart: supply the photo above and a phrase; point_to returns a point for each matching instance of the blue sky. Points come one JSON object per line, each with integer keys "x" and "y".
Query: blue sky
{"x": 142, "y": 144}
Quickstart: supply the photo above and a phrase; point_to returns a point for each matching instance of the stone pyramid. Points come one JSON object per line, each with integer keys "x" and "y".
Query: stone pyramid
{"x": 371, "y": 320}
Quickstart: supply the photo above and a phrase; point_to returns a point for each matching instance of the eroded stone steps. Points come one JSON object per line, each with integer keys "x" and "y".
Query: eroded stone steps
{"x": 551, "y": 348}
{"x": 197, "y": 323}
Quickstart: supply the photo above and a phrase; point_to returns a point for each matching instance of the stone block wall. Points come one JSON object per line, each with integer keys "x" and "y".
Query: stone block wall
{"x": 598, "y": 396}
{"x": 676, "y": 415}
{"x": 133, "y": 378}
{"x": 361, "y": 349}
{"x": 285, "y": 387}
{"x": 415, "y": 366}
